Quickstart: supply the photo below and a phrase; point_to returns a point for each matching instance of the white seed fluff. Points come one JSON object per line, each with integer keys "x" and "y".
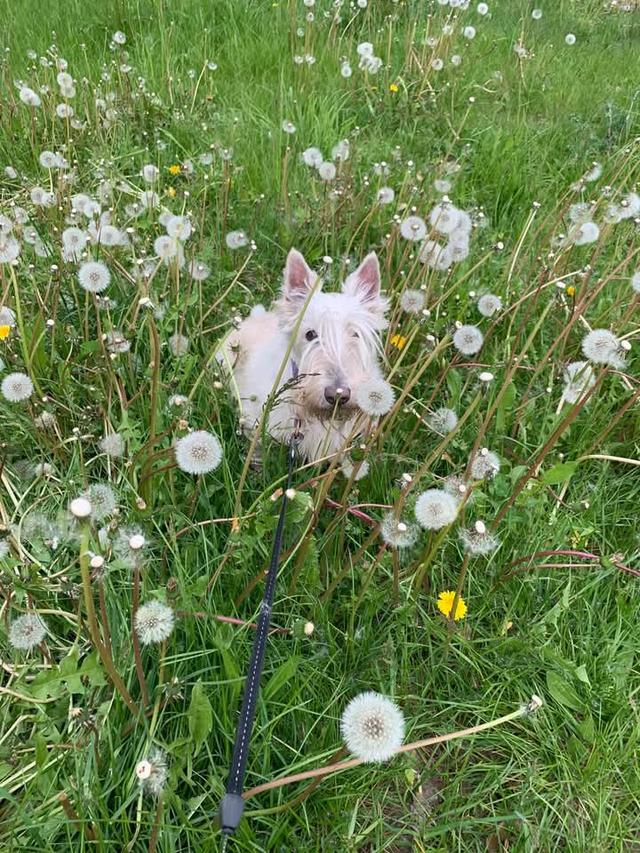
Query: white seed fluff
{"x": 485, "y": 465}
{"x": 153, "y": 622}
{"x": 442, "y": 421}
{"x": 602, "y": 347}
{"x": 489, "y": 304}
{"x": 413, "y": 228}
{"x": 375, "y": 397}
{"x": 397, "y": 533}
{"x": 372, "y": 727}
{"x": 198, "y": 453}
{"x": 112, "y": 445}
{"x": 468, "y": 340}
{"x": 94, "y": 276}
{"x": 435, "y": 509}
{"x": 16, "y": 387}
{"x": 579, "y": 377}
{"x": 412, "y": 301}
{"x": 27, "y": 632}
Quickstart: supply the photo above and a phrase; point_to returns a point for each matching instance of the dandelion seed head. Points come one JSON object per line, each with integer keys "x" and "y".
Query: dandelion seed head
{"x": 413, "y": 228}
{"x": 375, "y": 397}
{"x": 94, "y": 276}
{"x": 199, "y": 452}
{"x": 478, "y": 541}
{"x": 327, "y": 170}
{"x": 412, "y": 301}
{"x": 489, "y": 304}
{"x": 372, "y": 727}
{"x": 435, "y": 509}
{"x": 236, "y": 239}
{"x": 152, "y": 773}
{"x": 112, "y": 445}
{"x": 396, "y": 533}
{"x": 179, "y": 345}
{"x": 579, "y": 377}
{"x": 312, "y": 157}
{"x": 385, "y": 195}
{"x": 26, "y": 632}
{"x": 16, "y": 387}
{"x": 445, "y": 218}
{"x": 442, "y": 421}
{"x": 485, "y": 465}
{"x": 602, "y": 347}
{"x": 102, "y": 500}
{"x": 468, "y": 340}
{"x": 153, "y": 622}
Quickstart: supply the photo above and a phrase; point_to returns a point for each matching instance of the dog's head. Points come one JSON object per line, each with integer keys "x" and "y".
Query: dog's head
{"x": 336, "y": 340}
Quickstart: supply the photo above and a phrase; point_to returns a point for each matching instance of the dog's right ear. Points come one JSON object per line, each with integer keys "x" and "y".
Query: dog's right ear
{"x": 299, "y": 279}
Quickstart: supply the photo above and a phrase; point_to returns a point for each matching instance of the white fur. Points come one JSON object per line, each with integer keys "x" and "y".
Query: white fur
{"x": 342, "y": 356}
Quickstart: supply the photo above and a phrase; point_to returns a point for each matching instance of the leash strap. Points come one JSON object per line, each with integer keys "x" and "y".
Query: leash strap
{"x": 232, "y": 805}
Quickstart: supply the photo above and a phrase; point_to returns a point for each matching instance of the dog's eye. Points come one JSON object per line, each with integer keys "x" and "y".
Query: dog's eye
{"x": 356, "y": 335}
{"x": 311, "y": 335}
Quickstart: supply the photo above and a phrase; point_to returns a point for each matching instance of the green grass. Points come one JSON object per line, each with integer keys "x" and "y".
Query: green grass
{"x": 565, "y": 779}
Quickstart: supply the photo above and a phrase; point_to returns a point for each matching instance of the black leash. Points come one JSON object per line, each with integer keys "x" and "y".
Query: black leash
{"x": 232, "y": 805}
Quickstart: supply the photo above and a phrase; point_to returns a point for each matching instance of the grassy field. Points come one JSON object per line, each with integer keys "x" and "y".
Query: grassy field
{"x": 507, "y": 121}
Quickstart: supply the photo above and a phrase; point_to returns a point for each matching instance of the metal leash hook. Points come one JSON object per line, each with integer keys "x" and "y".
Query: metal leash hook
{"x": 232, "y": 804}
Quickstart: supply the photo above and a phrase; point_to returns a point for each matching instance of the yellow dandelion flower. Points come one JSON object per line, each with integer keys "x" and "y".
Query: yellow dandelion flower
{"x": 5, "y": 331}
{"x": 171, "y": 192}
{"x": 393, "y": 87}
{"x": 445, "y": 603}
{"x": 175, "y": 169}
{"x": 398, "y": 341}
{"x": 571, "y": 291}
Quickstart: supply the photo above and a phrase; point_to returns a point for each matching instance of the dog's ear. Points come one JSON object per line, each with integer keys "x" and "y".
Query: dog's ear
{"x": 299, "y": 278}
{"x": 365, "y": 281}
{"x": 364, "y": 284}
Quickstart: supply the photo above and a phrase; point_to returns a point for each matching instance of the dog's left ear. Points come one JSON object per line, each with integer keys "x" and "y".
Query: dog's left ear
{"x": 364, "y": 284}
{"x": 365, "y": 281}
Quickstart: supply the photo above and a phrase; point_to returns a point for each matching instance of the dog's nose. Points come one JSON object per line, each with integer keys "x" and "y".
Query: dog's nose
{"x": 337, "y": 396}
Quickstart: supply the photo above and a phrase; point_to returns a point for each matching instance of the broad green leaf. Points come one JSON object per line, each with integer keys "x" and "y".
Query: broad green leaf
{"x": 283, "y": 674}
{"x": 200, "y": 716}
{"x": 563, "y": 692}
{"x": 560, "y": 473}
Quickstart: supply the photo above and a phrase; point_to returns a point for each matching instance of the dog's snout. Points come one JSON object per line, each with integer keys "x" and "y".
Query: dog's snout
{"x": 337, "y": 396}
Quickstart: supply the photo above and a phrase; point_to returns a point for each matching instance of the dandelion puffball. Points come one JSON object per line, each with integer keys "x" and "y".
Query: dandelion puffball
{"x": 396, "y": 533}
{"x": 468, "y": 340}
{"x": 372, "y": 727}
{"x": 236, "y": 239}
{"x": 80, "y": 507}
{"x": 602, "y": 347}
{"x": 485, "y": 465}
{"x": 153, "y": 622}
{"x": 436, "y": 509}
{"x": 152, "y": 773}
{"x": 413, "y": 228}
{"x": 94, "y": 276}
{"x": 16, "y": 387}
{"x": 375, "y": 397}
{"x": 412, "y": 301}
{"x": 489, "y": 304}
{"x": 26, "y": 632}
{"x": 198, "y": 453}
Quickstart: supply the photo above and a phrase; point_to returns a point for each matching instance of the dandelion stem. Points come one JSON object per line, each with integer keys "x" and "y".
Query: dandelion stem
{"x": 339, "y": 767}
{"x": 105, "y": 657}
{"x": 135, "y": 603}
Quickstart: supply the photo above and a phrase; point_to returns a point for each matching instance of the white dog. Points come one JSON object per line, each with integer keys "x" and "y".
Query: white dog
{"x": 308, "y": 356}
